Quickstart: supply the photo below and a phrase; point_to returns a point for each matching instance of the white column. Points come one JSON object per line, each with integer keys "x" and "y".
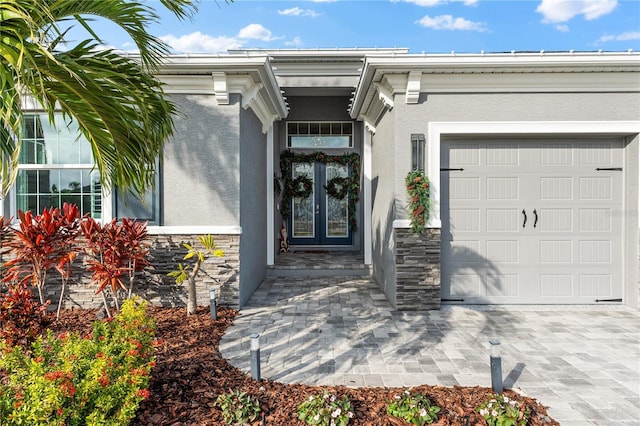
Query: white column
{"x": 366, "y": 197}
{"x": 270, "y": 199}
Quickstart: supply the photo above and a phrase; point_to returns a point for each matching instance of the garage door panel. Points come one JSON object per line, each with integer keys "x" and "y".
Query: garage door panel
{"x": 595, "y": 285}
{"x": 556, "y": 188}
{"x": 502, "y": 220}
{"x": 598, "y": 251}
{"x": 596, "y": 188}
{"x": 597, "y": 154}
{"x": 463, "y": 188}
{"x": 503, "y": 188}
{"x": 555, "y": 220}
{"x": 465, "y": 252}
{"x": 465, "y": 220}
{"x": 556, "y": 285}
{"x": 503, "y": 251}
{"x": 465, "y": 284}
{"x": 595, "y": 220}
{"x": 502, "y": 285}
{"x": 556, "y": 154}
{"x": 502, "y": 154}
{"x": 555, "y": 251}
{"x": 468, "y": 155}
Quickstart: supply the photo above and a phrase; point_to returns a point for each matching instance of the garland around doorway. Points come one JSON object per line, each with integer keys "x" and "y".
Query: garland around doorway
{"x": 338, "y": 187}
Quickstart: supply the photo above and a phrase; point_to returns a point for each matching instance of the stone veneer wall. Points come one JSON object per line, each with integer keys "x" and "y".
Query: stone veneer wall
{"x": 154, "y": 285}
{"x": 417, "y": 269}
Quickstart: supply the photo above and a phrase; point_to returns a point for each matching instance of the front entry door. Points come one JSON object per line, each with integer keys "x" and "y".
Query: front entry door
{"x": 320, "y": 219}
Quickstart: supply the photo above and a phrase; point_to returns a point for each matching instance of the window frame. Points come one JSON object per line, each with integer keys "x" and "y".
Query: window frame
{"x": 320, "y": 129}
{"x": 87, "y": 167}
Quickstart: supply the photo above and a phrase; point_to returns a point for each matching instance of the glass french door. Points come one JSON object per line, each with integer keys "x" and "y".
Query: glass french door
{"x": 320, "y": 219}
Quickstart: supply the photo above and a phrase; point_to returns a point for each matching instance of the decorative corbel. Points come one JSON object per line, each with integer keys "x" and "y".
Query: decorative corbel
{"x": 368, "y": 124}
{"x": 385, "y": 95}
{"x": 249, "y": 94}
{"x": 220, "y": 88}
{"x": 413, "y": 87}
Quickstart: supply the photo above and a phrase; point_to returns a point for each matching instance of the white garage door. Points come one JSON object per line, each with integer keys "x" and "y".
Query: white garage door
{"x": 532, "y": 221}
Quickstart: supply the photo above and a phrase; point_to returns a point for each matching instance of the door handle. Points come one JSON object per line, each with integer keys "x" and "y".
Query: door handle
{"x": 524, "y": 222}
{"x": 317, "y": 208}
{"x": 535, "y": 221}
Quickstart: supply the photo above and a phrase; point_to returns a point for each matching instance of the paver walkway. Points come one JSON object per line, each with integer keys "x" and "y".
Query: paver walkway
{"x": 583, "y": 364}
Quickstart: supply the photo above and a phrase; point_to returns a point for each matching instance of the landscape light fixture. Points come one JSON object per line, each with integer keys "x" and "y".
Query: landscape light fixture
{"x": 212, "y": 304}
{"x": 255, "y": 356}
{"x": 496, "y": 366}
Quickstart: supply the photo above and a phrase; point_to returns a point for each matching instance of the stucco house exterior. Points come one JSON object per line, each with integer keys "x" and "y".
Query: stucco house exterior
{"x": 532, "y": 158}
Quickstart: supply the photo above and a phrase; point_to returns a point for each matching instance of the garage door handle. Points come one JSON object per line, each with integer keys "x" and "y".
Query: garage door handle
{"x": 535, "y": 221}
{"x": 524, "y": 222}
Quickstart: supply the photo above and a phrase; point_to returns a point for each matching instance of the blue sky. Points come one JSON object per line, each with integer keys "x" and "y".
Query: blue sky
{"x": 432, "y": 26}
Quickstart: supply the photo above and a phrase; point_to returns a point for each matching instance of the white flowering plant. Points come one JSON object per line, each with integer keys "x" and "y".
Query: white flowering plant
{"x": 414, "y": 408}
{"x": 500, "y": 410}
{"x": 326, "y": 410}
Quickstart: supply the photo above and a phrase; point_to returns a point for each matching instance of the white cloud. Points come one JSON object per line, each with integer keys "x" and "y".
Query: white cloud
{"x": 296, "y": 11}
{"x": 626, "y": 36}
{"x": 448, "y": 22}
{"x": 425, "y": 3}
{"x": 564, "y": 10}
{"x": 296, "y": 42}
{"x": 256, "y": 31}
{"x": 201, "y": 43}
{"x": 432, "y": 3}
{"x": 562, "y": 28}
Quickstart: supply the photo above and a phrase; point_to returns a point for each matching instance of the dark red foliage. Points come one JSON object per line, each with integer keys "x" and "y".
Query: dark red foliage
{"x": 115, "y": 250}
{"x": 22, "y": 318}
{"x": 43, "y": 242}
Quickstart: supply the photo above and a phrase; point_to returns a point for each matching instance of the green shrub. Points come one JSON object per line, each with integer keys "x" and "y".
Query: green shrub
{"x": 99, "y": 379}
{"x": 413, "y": 408}
{"x": 500, "y": 410}
{"x": 238, "y": 407}
{"x": 325, "y": 410}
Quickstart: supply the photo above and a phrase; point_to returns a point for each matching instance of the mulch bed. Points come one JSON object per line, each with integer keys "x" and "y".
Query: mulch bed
{"x": 190, "y": 373}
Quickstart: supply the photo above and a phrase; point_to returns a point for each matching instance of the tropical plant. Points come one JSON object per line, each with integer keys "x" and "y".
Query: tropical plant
{"x": 117, "y": 102}
{"x": 414, "y": 408}
{"x": 500, "y": 410}
{"x": 98, "y": 379}
{"x": 326, "y": 410}
{"x": 115, "y": 250}
{"x": 22, "y": 318}
{"x": 43, "y": 242}
{"x": 189, "y": 273}
{"x": 419, "y": 202}
{"x": 238, "y": 407}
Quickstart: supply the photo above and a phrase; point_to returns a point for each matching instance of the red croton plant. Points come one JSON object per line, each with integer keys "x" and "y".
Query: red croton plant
{"x": 115, "y": 250}
{"x": 43, "y": 242}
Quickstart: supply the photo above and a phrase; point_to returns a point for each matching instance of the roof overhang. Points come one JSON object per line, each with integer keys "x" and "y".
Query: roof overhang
{"x": 382, "y": 76}
{"x": 221, "y": 75}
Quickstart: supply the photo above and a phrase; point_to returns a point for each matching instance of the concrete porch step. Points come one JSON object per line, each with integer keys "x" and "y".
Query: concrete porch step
{"x": 319, "y": 264}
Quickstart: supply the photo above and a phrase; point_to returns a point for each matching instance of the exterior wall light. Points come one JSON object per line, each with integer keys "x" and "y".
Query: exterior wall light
{"x": 417, "y": 151}
{"x": 255, "y": 356}
{"x": 496, "y": 366}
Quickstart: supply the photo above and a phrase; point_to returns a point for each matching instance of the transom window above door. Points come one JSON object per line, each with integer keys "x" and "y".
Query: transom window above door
{"x": 305, "y": 134}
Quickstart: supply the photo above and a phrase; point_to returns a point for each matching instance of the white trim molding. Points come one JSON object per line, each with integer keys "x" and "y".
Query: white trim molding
{"x": 194, "y": 230}
{"x": 439, "y": 129}
{"x": 271, "y": 232}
